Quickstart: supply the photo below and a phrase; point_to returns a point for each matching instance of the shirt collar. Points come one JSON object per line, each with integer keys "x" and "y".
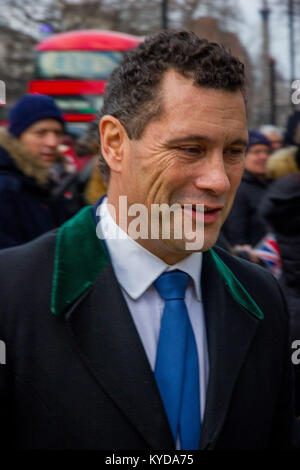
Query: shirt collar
{"x": 137, "y": 268}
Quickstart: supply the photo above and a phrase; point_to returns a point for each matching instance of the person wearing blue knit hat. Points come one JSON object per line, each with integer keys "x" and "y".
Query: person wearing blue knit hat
{"x": 38, "y": 123}
{"x": 257, "y": 153}
{"x": 244, "y": 227}
{"x": 29, "y": 147}
{"x": 30, "y": 109}
{"x": 257, "y": 138}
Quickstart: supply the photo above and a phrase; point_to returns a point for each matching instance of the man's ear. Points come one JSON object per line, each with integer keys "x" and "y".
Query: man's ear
{"x": 113, "y": 141}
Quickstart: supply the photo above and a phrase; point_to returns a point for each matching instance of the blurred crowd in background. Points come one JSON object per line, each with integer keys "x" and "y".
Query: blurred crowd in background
{"x": 46, "y": 175}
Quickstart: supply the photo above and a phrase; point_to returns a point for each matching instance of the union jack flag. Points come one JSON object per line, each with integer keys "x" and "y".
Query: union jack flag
{"x": 268, "y": 250}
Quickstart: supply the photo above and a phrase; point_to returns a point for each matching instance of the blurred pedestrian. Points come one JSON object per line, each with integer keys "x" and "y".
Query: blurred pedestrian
{"x": 292, "y": 133}
{"x": 244, "y": 227}
{"x": 85, "y": 186}
{"x": 95, "y": 186}
{"x": 88, "y": 150}
{"x": 283, "y": 162}
{"x": 28, "y": 150}
{"x": 281, "y": 209}
{"x": 87, "y": 146}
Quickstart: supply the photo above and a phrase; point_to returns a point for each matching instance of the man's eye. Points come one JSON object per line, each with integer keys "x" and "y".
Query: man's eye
{"x": 192, "y": 150}
{"x": 235, "y": 152}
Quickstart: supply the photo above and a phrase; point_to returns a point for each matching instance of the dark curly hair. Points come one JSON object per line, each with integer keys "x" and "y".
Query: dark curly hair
{"x": 132, "y": 91}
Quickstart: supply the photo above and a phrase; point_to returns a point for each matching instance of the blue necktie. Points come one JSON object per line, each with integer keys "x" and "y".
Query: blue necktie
{"x": 176, "y": 368}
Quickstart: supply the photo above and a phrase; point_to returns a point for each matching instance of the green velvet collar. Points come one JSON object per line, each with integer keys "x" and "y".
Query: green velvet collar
{"x": 236, "y": 289}
{"x": 80, "y": 257}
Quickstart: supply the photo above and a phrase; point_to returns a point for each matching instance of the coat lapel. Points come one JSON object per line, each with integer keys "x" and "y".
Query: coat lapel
{"x": 230, "y": 329}
{"x": 86, "y": 291}
{"x": 109, "y": 344}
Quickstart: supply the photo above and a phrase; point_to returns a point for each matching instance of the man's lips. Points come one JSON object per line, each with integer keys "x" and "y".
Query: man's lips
{"x": 202, "y": 207}
{"x": 211, "y": 215}
{"x": 207, "y": 213}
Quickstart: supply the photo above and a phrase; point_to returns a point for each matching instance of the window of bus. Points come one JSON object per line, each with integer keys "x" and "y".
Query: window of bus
{"x": 77, "y": 64}
{"x": 83, "y": 104}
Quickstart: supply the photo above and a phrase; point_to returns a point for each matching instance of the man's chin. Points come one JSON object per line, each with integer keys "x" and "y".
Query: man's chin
{"x": 203, "y": 240}
{"x": 194, "y": 245}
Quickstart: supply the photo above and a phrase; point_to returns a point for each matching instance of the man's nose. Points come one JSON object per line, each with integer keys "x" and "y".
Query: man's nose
{"x": 212, "y": 175}
{"x": 51, "y": 139}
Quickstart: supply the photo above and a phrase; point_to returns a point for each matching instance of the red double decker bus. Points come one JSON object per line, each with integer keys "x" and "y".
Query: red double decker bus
{"x": 73, "y": 68}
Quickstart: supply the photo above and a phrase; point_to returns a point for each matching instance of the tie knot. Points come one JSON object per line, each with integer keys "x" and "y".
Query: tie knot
{"x": 172, "y": 285}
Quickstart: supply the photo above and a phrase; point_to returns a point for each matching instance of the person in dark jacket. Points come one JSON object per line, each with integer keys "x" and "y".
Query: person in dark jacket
{"x": 28, "y": 149}
{"x": 281, "y": 209}
{"x": 244, "y": 226}
{"x": 292, "y": 134}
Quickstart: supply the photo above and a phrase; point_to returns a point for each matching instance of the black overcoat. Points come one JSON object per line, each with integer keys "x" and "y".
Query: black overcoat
{"x": 76, "y": 374}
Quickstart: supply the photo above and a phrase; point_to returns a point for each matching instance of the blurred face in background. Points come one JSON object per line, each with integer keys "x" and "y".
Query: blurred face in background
{"x": 42, "y": 139}
{"x": 276, "y": 140}
{"x": 256, "y": 159}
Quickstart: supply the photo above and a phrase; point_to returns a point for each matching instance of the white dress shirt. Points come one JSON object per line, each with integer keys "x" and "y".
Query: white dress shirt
{"x": 136, "y": 269}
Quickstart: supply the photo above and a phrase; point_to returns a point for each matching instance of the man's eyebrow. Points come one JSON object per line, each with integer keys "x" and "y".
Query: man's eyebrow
{"x": 204, "y": 138}
{"x": 191, "y": 137}
{"x": 243, "y": 142}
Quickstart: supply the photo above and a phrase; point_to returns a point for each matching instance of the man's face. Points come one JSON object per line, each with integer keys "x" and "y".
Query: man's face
{"x": 193, "y": 154}
{"x": 276, "y": 140}
{"x": 256, "y": 159}
{"x": 42, "y": 139}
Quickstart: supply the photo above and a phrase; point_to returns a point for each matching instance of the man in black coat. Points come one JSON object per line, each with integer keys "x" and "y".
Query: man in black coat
{"x": 28, "y": 149}
{"x": 86, "y": 333}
